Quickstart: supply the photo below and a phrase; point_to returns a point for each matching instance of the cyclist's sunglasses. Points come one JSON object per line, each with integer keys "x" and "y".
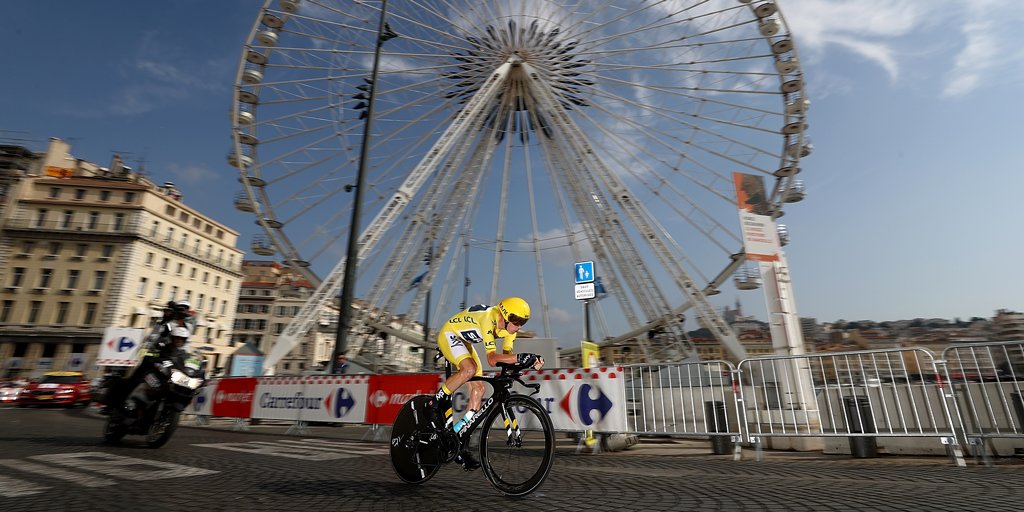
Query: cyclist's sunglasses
{"x": 517, "y": 320}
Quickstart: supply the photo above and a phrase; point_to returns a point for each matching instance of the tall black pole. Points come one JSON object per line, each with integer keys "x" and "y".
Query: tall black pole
{"x": 352, "y": 256}
{"x": 586, "y": 321}
{"x": 426, "y": 314}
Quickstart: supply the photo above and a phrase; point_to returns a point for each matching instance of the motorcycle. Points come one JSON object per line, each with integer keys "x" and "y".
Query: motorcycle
{"x": 165, "y": 386}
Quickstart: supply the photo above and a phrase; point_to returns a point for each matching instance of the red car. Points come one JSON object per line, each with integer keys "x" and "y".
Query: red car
{"x": 57, "y": 388}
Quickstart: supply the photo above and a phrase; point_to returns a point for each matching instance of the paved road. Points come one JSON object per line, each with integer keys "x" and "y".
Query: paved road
{"x": 54, "y": 460}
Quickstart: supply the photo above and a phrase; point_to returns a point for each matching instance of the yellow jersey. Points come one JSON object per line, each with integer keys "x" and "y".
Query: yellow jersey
{"x": 478, "y": 324}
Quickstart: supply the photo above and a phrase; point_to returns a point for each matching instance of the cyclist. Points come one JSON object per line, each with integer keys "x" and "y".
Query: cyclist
{"x": 479, "y": 324}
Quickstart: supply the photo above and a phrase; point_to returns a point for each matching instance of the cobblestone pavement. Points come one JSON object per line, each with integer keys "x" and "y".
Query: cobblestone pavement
{"x": 55, "y": 460}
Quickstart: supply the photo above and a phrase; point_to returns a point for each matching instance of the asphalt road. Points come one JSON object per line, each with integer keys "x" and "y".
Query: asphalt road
{"x": 54, "y": 459}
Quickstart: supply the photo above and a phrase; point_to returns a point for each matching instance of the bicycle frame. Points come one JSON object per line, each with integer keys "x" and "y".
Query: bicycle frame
{"x": 502, "y": 385}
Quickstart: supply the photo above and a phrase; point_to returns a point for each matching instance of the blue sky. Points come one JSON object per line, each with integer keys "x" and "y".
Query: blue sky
{"x": 912, "y": 186}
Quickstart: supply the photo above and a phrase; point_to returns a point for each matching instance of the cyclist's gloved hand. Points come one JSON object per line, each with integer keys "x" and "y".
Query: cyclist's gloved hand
{"x": 527, "y": 360}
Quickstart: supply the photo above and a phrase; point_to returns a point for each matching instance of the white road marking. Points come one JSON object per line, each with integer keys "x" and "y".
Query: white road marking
{"x": 12, "y": 487}
{"x": 305, "y": 449}
{"x": 123, "y": 467}
{"x": 62, "y": 474}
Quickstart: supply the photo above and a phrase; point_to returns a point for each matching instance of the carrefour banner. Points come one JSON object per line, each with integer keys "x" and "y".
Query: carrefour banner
{"x": 120, "y": 346}
{"x": 202, "y": 403}
{"x": 340, "y": 399}
{"x": 576, "y": 399}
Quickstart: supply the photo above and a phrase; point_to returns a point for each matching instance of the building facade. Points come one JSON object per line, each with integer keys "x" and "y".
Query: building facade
{"x": 85, "y": 247}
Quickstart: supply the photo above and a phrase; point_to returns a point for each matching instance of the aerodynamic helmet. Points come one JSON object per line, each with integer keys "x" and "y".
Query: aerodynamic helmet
{"x": 514, "y": 310}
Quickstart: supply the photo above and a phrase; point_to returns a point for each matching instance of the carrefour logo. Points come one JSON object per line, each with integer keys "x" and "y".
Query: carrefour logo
{"x": 587, "y": 405}
{"x": 199, "y": 400}
{"x": 340, "y": 402}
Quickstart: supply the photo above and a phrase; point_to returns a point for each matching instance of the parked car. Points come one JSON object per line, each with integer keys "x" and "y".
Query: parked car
{"x": 9, "y": 392}
{"x": 56, "y": 388}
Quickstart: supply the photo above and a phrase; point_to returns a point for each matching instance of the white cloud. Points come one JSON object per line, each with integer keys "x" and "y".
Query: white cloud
{"x": 963, "y": 45}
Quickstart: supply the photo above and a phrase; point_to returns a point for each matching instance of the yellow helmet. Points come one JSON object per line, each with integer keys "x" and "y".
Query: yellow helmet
{"x": 514, "y": 310}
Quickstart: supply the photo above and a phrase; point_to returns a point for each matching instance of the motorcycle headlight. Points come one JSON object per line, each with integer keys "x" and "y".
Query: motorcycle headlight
{"x": 178, "y": 377}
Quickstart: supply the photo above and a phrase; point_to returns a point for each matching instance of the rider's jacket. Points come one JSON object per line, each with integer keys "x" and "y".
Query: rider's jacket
{"x": 479, "y": 324}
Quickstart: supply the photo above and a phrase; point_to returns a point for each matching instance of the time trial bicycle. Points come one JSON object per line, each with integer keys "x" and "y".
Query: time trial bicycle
{"x": 516, "y": 437}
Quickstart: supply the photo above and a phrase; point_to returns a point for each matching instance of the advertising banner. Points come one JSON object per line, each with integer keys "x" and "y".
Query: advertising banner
{"x": 388, "y": 393}
{"x": 335, "y": 398}
{"x": 246, "y": 365}
{"x": 202, "y": 403}
{"x": 120, "y": 346}
{"x": 233, "y": 398}
{"x": 579, "y": 400}
{"x": 760, "y": 235}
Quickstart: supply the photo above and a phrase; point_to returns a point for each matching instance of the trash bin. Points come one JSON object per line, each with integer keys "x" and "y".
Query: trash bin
{"x": 1018, "y": 407}
{"x": 771, "y": 395}
{"x": 717, "y": 421}
{"x": 858, "y": 417}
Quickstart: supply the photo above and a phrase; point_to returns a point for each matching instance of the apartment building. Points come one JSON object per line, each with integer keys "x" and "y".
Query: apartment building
{"x": 271, "y": 296}
{"x": 84, "y": 247}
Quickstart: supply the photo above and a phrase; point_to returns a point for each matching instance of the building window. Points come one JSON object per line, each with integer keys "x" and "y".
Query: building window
{"x": 192, "y": 273}
{"x": 206, "y": 277}
{"x": 142, "y": 286}
{"x": 100, "y": 280}
{"x": 118, "y": 221}
{"x": 62, "y": 312}
{"x": 79, "y": 193}
{"x": 69, "y": 217}
{"x": 129, "y": 197}
{"x": 5, "y": 312}
{"x": 149, "y": 259}
{"x": 223, "y": 306}
{"x": 158, "y": 290}
{"x": 90, "y": 313}
{"x": 181, "y": 268}
{"x": 41, "y": 218}
{"x": 164, "y": 264}
{"x": 216, "y": 280}
{"x": 45, "y": 275}
{"x": 153, "y": 229}
{"x": 174, "y": 292}
{"x": 17, "y": 276}
{"x": 227, "y": 285}
{"x": 199, "y": 303}
{"x": 54, "y": 249}
{"x": 73, "y": 279}
{"x": 33, "y": 311}
{"x": 278, "y": 328}
{"x": 220, "y": 234}
{"x": 188, "y": 295}
{"x": 27, "y": 246}
{"x": 81, "y": 249}
{"x": 104, "y": 195}
{"x": 94, "y": 219}
{"x": 54, "y": 192}
{"x": 170, "y": 235}
{"x": 107, "y": 251}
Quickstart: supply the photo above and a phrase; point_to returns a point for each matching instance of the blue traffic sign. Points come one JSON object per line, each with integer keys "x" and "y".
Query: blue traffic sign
{"x": 584, "y": 272}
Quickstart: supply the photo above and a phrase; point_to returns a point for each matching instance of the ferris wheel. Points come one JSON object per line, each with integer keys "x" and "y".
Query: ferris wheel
{"x": 512, "y": 138}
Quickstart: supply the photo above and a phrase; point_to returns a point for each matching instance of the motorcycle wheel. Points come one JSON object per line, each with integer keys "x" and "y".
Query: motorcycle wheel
{"x": 163, "y": 427}
{"x": 113, "y": 431}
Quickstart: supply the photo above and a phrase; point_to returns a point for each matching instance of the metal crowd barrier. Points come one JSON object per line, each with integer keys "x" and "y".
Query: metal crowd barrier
{"x": 858, "y": 395}
{"x": 987, "y": 381}
{"x": 685, "y": 399}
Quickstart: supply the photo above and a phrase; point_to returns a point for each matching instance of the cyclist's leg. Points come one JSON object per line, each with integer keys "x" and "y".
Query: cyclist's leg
{"x": 462, "y": 357}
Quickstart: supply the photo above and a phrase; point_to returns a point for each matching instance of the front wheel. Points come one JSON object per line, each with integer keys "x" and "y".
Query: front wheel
{"x": 114, "y": 430}
{"x": 164, "y": 424}
{"x": 517, "y": 446}
{"x": 415, "y": 443}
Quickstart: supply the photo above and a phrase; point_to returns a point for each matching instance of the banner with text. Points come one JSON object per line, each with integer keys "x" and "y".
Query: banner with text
{"x": 760, "y": 235}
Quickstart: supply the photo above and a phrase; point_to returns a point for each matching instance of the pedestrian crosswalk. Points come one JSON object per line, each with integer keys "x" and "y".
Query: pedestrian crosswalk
{"x": 87, "y": 469}
{"x": 34, "y": 474}
{"x": 304, "y": 449}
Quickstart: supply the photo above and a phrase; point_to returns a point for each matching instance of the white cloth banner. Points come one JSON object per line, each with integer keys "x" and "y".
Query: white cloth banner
{"x": 338, "y": 399}
{"x": 120, "y": 346}
{"x": 580, "y": 399}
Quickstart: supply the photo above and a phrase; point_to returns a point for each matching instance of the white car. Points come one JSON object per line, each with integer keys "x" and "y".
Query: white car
{"x": 9, "y": 392}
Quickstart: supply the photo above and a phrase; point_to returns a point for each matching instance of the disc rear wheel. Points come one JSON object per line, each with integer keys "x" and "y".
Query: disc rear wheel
{"x": 517, "y": 446}
{"x": 415, "y": 452}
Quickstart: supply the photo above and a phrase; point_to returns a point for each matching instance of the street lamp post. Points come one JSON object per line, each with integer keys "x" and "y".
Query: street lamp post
{"x": 351, "y": 259}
